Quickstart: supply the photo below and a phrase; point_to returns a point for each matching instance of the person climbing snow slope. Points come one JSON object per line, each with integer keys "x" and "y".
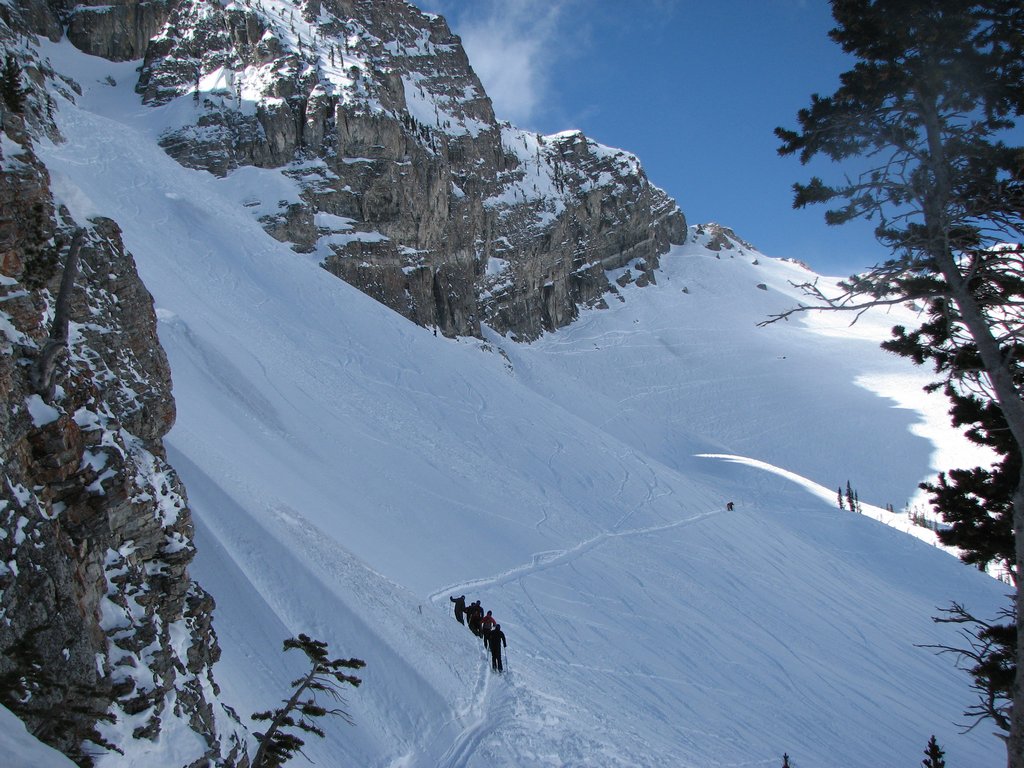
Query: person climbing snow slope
{"x": 487, "y": 624}
{"x": 460, "y": 607}
{"x": 496, "y": 639}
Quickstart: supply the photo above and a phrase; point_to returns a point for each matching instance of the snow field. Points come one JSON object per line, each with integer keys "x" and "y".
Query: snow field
{"x": 349, "y": 471}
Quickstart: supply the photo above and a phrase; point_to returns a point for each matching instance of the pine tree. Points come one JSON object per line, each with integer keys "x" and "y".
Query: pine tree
{"x": 278, "y": 745}
{"x": 12, "y": 91}
{"x": 977, "y": 503}
{"x": 935, "y": 86}
{"x": 840, "y": 494}
{"x": 849, "y": 498}
{"x": 933, "y": 755}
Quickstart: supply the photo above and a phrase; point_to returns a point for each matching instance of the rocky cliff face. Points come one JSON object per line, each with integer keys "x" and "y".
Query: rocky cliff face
{"x": 103, "y": 636}
{"x": 406, "y": 184}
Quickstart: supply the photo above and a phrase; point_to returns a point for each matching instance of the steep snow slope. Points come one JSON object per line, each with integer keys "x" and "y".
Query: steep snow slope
{"x": 349, "y": 471}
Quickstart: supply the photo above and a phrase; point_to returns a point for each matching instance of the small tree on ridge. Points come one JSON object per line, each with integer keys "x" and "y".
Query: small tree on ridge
{"x": 278, "y": 744}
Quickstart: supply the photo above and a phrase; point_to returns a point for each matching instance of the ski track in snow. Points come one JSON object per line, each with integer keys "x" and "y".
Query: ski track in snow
{"x": 487, "y": 712}
{"x": 543, "y": 561}
{"x": 484, "y": 723}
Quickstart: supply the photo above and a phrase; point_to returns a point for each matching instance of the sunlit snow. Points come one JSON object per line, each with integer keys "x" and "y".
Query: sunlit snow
{"x": 349, "y": 471}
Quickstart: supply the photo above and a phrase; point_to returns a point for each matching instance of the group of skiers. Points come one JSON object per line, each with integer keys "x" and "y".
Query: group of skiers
{"x": 483, "y": 626}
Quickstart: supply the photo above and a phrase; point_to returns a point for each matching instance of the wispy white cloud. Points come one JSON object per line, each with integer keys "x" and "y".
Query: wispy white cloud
{"x": 514, "y": 46}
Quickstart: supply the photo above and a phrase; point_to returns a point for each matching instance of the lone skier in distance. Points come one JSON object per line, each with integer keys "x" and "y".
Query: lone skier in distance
{"x": 460, "y": 607}
{"x": 496, "y": 639}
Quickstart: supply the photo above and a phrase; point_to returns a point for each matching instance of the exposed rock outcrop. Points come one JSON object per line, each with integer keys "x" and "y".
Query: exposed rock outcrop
{"x": 118, "y": 30}
{"x": 715, "y": 237}
{"x": 407, "y": 185}
{"x": 99, "y": 621}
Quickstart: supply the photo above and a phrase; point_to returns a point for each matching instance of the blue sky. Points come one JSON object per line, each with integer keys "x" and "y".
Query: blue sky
{"x": 693, "y": 88}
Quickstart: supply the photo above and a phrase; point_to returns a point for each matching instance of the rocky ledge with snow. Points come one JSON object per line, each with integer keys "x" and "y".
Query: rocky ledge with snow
{"x": 104, "y": 638}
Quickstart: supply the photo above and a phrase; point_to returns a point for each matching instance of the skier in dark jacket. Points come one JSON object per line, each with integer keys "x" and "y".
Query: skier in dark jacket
{"x": 460, "y": 607}
{"x": 473, "y": 615}
{"x": 496, "y": 639}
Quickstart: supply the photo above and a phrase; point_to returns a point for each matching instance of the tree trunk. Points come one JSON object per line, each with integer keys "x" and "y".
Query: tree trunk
{"x": 46, "y": 362}
{"x": 259, "y": 760}
{"x": 936, "y": 206}
{"x": 1010, "y": 403}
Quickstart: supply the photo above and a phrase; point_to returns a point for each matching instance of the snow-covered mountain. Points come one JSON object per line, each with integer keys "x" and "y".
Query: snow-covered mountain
{"x": 347, "y": 471}
{"x": 399, "y": 177}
